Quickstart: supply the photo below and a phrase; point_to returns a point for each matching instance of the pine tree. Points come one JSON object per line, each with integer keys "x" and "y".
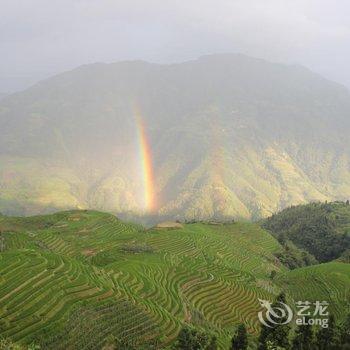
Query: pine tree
{"x": 263, "y": 337}
{"x": 328, "y": 338}
{"x": 345, "y": 334}
{"x": 278, "y": 334}
{"x": 191, "y": 339}
{"x": 213, "y": 344}
{"x": 240, "y": 339}
{"x": 184, "y": 339}
{"x": 303, "y": 339}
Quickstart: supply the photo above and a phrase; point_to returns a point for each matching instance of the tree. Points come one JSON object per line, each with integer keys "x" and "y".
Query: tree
{"x": 277, "y": 335}
{"x": 328, "y": 338}
{"x": 345, "y": 333}
{"x": 240, "y": 339}
{"x": 263, "y": 337}
{"x": 7, "y": 344}
{"x": 271, "y": 346}
{"x": 273, "y": 274}
{"x": 185, "y": 339}
{"x": 191, "y": 339}
{"x": 303, "y": 339}
{"x": 314, "y": 228}
{"x": 213, "y": 344}
{"x": 33, "y": 346}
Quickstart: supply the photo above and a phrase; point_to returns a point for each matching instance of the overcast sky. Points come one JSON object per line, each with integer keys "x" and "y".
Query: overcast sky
{"x": 39, "y": 38}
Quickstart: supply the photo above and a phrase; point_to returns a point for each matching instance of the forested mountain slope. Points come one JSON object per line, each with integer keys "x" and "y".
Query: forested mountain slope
{"x": 322, "y": 229}
{"x": 224, "y": 136}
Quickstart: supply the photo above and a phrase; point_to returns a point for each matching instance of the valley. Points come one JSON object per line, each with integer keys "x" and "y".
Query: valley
{"x": 85, "y": 278}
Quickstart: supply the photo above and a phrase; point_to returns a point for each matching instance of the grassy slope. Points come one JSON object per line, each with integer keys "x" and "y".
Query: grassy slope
{"x": 89, "y": 263}
{"x": 329, "y": 282}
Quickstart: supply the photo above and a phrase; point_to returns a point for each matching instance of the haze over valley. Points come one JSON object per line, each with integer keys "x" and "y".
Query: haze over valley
{"x": 223, "y": 136}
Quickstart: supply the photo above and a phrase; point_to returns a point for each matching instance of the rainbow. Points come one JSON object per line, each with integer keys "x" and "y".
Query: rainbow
{"x": 149, "y": 201}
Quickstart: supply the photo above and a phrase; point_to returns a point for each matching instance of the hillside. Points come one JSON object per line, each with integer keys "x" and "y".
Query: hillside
{"x": 322, "y": 229}
{"x": 219, "y": 137}
{"x": 84, "y": 277}
{"x": 330, "y": 281}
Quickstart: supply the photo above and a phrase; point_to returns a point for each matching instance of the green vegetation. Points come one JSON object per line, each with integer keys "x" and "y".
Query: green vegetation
{"x": 7, "y": 344}
{"x": 303, "y": 338}
{"x": 334, "y": 337}
{"x": 225, "y": 143}
{"x": 87, "y": 278}
{"x": 330, "y": 281}
{"x": 294, "y": 257}
{"x": 276, "y": 335}
{"x": 74, "y": 267}
{"x": 322, "y": 229}
{"x": 240, "y": 339}
{"x": 192, "y": 339}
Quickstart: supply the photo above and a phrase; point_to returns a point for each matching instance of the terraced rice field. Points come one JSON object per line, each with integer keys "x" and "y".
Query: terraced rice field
{"x": 329, "y": 282}
{"x": 84, "y": 276}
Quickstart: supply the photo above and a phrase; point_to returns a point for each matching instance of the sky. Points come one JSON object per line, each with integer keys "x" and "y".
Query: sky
{"x": 40, "y": 38}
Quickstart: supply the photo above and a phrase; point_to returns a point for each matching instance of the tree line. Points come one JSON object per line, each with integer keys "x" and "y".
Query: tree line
{"x": 276, "y": 337}
{"x": 320, "y": 229}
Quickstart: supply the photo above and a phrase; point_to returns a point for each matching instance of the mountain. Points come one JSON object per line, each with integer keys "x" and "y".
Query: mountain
{"x": 219, "y": 137}
{"x": 322, "y": 229}
{"x": 78, "y": 279}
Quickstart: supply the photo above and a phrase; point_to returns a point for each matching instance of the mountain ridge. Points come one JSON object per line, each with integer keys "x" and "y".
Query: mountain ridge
{"x": 261, "y": 136}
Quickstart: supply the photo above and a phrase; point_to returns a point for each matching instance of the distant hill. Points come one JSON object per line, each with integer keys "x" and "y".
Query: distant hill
{"x": 322, "y": 229}
{"x": 77, "y": 279}
{"x": 229, "y": 135}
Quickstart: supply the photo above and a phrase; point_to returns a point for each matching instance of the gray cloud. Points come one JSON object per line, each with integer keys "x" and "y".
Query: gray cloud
{"x": 39, "y": 38}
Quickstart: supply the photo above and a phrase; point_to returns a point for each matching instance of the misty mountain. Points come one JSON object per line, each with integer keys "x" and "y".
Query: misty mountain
{"x": 229, "y": 136}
